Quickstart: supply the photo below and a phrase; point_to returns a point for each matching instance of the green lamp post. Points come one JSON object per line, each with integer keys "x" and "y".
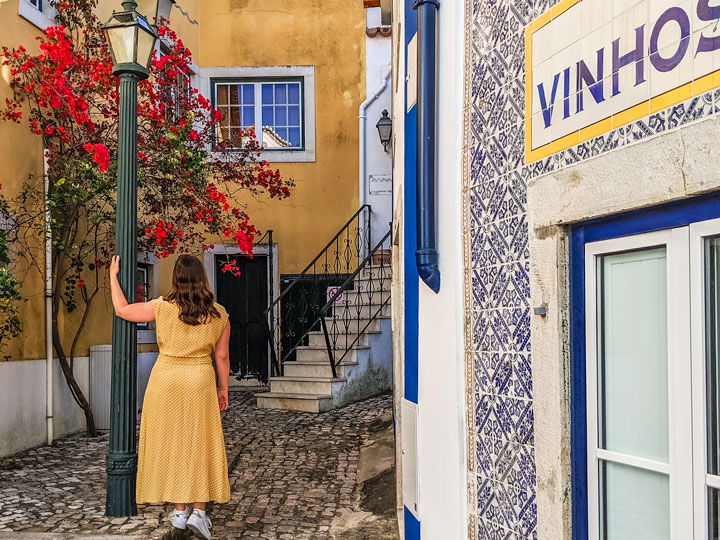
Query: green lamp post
{"x": 132, "y": 41}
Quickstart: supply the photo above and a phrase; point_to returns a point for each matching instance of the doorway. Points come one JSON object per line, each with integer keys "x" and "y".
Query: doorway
{"x": 245, "y": 297}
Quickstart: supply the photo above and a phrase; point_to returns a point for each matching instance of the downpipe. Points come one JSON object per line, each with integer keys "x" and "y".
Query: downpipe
{"x": 48, "y": 308}
{"x": 426, "y": 256}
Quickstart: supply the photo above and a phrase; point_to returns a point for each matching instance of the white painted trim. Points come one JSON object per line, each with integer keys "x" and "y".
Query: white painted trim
{"x": 205, "y": 74}
{"x": 702, "y": 480}
{"x": 713, "y": 482}
{"x": 40, "y": 18}
{"x": 633, "y": 461}
{"x": 679, "y": 468}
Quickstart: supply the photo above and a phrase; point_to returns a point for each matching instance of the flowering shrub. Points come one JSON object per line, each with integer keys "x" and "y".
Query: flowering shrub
{"x": 190, "y": 185}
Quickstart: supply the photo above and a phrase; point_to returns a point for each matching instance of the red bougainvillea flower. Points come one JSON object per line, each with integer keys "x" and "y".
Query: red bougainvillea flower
{"x": 100, "y": 155}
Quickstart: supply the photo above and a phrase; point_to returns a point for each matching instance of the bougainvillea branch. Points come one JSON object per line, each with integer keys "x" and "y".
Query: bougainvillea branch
{"x": 191, "y": 184}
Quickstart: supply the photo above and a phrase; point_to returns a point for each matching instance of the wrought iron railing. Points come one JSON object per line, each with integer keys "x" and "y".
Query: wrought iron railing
{"x": 357, "y": 303}
{"x": 294, "y": 313}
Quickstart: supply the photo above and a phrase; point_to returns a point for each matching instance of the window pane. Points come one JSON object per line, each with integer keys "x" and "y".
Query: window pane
{"x": 632, "y": 355}
{"x": 235, "y": 116}
{"x": 267, "y": 94}
{"x": 294, "y": 136}
{"x": 249, "y": 94}
{"x": 225, "y": 111}
{"x": 635, "y": 504}
{"x": 712, "y": 351}
{"x": 294, "y": 93}
{"x": 234, "y": 95}
{"x": 280, "y": 94}
{"x": 293, "y": 116}
{"x": 248, "y": 116}
{"x": 281, "y": 116}
{"x": 713, "y": 511}
{"x": 222, "y": 94}
{"x": 267, "y": 116}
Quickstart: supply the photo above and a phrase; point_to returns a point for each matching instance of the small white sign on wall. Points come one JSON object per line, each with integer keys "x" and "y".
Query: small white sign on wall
{"x": 380, "y": 184}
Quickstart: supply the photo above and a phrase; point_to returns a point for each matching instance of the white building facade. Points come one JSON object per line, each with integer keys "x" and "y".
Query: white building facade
{"x": 563, "y": 383}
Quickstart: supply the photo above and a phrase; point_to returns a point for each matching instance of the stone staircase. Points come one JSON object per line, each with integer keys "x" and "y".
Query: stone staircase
{"x": 308, "y": 383}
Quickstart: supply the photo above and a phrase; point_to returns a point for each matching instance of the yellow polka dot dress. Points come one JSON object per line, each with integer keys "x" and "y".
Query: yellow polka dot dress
{"x": 181, "y": 453}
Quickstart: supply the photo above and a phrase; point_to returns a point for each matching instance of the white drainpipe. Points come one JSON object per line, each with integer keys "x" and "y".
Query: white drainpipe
{"x": 363, "y": 141}
{"x": 48, "y": 310}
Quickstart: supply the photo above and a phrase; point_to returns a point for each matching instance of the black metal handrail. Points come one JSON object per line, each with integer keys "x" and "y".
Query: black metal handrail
{"x": 293, "y": 314}
{"x": 349, "y": 320}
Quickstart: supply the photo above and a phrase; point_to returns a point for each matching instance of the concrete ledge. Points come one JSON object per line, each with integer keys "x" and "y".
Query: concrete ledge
{"x": 60, "y": 536}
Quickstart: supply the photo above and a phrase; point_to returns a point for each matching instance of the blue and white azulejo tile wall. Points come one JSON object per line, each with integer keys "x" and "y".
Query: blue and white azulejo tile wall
{"x": 501, "y": 445}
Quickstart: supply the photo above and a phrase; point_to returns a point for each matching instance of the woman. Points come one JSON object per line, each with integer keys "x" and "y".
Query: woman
{"x": 181, "y": 455}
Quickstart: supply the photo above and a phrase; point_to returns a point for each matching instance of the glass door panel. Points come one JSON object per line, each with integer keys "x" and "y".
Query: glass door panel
{"x": 635, "y": 503}
{"x": 633, "y": 354}
{"x": 711, "y": 304}
{"x": 628, "y": 394}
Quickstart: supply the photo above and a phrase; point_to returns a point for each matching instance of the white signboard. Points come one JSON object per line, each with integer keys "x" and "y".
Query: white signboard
{"x": 595, "y": 65}
{"x": 380, "y": 184}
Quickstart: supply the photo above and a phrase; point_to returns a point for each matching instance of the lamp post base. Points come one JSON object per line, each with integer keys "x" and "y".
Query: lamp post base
{"x": 121, "y": 474}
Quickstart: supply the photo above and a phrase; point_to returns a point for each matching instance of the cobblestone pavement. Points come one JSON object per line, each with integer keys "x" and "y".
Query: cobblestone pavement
{"x": 291, "y": 474}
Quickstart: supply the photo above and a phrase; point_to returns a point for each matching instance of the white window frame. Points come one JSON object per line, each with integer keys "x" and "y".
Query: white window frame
{"x": 41, "y": 17}
{"x": 680, "y": 465}
{"x": 307, "y": 73}
{"x": 258, "y": 105}
{"x": 698, "y": 233}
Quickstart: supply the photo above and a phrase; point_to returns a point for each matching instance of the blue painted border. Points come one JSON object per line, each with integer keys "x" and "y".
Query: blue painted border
{"x": 677, "y": 214}
{"x": 412, "y": 283}
{"x": 412, "y": 526}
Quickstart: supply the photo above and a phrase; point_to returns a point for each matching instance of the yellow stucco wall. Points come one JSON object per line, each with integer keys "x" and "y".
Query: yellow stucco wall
{"x": 330, "y": 35}
{"x": 327, "y": 34}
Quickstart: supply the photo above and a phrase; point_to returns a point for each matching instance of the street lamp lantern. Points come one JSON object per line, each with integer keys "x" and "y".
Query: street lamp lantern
{"x": 155, "y": 11}
{"x": 384, "y": 127}
{"x": 132, "y": 40}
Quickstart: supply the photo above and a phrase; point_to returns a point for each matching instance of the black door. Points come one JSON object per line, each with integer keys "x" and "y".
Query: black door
{"x": 246, "y": 297}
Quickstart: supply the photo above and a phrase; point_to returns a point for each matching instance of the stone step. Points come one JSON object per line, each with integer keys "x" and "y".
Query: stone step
{"x": 371, "y": 284}
{"x": 314, "y": 403}
{"x": 342, "y": 338}
{"x": 304, "y": 385}
{"x": 320, "y": 354}
{"x": 365, "y": 297}
{"x": 316, "y": 369}
{"x": 347, "y": 310}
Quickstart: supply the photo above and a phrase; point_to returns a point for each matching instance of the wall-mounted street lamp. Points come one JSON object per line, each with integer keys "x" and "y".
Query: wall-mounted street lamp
{"x": 132, "y": 40}
{"x": 384, "y": 127}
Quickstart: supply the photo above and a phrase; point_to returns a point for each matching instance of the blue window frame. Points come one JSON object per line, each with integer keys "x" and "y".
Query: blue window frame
{"x": 659, "y": 218}
{"x": 272, "y": 108}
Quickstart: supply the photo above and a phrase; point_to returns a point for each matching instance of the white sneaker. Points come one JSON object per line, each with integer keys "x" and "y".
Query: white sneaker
{"x": 178, "y": 518}
{"x": 199, "y": 524}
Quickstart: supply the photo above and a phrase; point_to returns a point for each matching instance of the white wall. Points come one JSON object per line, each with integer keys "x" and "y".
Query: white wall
{"x": 441, "y": 434}
{"x": 379, "y": 162}
{"x": 441, "y": 422}
{"x": 22, "y": 404}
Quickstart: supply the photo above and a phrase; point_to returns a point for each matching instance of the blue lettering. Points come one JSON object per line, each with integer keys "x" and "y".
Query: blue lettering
{"x": 547, "y": 109}
{"x": 679, "y": 16}
{"x": 594, "y": 84}
{"x": 635, "y": 55}
{"x": 566, "y": 101}
{"x": 707, "y": 13}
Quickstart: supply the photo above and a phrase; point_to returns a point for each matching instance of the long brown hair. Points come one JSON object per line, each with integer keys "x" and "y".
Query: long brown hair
{"x": 191, "y": 292}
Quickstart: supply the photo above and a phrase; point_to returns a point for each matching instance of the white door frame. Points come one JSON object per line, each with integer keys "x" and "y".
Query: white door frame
{"x": 702, "y": 480}
{"x": 679, "y": 467}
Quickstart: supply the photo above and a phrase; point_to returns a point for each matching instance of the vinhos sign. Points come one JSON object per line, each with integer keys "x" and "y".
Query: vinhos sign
{"x": 595, "y": 65}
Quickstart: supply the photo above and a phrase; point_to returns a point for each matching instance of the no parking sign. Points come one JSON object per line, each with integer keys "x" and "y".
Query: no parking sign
{"x": 331, "y": 292}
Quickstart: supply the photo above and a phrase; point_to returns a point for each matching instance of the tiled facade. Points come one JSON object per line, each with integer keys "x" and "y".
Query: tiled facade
{"x": 501, "y": 450}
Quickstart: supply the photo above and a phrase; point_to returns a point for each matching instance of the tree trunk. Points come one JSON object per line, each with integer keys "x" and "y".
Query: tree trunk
{"x": 79, "y": 397}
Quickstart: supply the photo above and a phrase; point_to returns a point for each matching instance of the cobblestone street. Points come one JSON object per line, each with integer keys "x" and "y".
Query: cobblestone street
{"x": 292, "y": 475}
